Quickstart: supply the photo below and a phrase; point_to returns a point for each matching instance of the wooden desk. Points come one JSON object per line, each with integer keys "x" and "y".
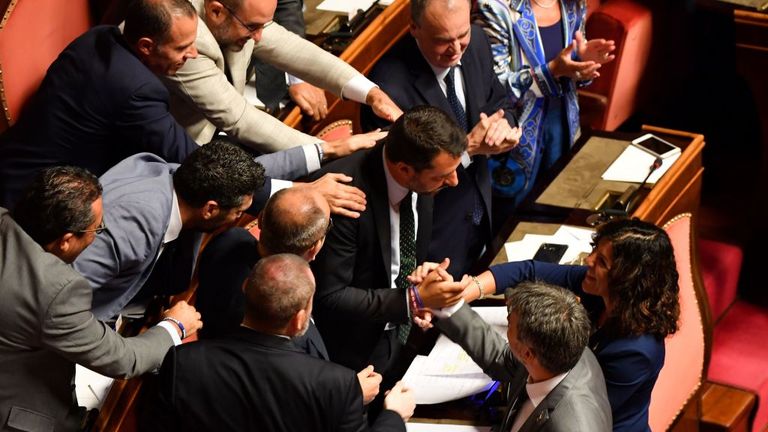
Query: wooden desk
{"x": 678, "y": 191}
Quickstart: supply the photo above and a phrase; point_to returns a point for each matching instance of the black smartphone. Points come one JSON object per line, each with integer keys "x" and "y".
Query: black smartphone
{"x": 550, "y": 252}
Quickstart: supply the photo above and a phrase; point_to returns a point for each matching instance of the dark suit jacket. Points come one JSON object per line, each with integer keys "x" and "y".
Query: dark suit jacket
{"x": 250, "y": 381}
{"x": 354, "y": 300}
{"x": 579, "y": 403}
{"x": 224, "y": 265}
{"x": 97, "y": 105}
{"x": 46, "y": 326}
{"x": 408, "y": 79}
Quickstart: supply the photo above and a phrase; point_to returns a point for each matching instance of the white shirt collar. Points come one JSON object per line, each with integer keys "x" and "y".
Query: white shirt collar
{"x": 537, "y": 392}
{"x": 174, "y": 224}
{"x": 441, "y": 73}
{"x": 395, "y": 191}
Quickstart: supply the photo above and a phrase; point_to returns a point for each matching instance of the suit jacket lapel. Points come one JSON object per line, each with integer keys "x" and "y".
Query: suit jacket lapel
{"x": 469, "y": 70}
{"x": 379, "y": 202}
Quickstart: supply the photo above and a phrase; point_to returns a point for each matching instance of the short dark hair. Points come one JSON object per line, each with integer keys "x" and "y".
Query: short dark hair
{"x": 154, "y": 18}
{"x": 278, "y": 287}
{"x": 58, "y": 201}
{"x": 551, "y": 322}
{"x": 643, "y": 279}
{"x": 420, "y": 134}
{"x": 419, "y": 6}
{"x": 295, "y": 229}
{"x": 218, "y": 171}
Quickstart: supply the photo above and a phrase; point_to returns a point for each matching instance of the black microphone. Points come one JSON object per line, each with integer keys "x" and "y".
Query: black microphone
{"x": 654, "y": 166}
{"x": 619, "y": 209}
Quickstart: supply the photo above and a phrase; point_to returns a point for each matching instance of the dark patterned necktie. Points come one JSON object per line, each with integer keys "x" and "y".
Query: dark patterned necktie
{"x": 407, "y": 256}
{"x": 453, "y": 100}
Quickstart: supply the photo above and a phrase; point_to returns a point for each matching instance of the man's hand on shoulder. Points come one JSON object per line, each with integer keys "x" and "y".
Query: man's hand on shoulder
{"x": 346, "y": 146}
{"x": 343, "y": 199}
{"x": 382, "y": 105}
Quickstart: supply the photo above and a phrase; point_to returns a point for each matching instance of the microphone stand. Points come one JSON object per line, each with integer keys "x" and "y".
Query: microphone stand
{"x": 619, "y": 209}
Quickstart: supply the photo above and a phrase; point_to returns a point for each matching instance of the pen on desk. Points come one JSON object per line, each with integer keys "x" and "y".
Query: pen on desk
{"x": 98, "y": 399}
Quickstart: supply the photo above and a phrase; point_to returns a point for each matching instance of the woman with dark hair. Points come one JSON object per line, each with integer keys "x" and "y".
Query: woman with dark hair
{"x": 629, "y": 288}
{"x": 540, "y": 55}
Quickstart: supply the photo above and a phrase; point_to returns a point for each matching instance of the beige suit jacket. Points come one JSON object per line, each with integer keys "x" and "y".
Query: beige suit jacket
{"x": 202, "y": 99}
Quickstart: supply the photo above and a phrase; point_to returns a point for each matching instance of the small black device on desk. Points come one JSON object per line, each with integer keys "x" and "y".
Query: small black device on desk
{"x": 550, "y": 252}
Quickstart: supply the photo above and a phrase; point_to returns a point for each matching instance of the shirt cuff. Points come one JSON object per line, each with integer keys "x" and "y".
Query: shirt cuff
{"x": 466, "y": 160}
{"x": 172, "y": 330}
{"x": 293, "y": 80}
{"x": 448, "y": 311}
{"x": 357, "y": 88}
{"x": 278, "y": 185}
{"x": 312, "y": 158}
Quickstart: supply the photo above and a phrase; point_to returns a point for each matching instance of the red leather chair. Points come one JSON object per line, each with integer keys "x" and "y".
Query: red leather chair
{"x": 612, "y": 97}
{"x": 32, "y": 34}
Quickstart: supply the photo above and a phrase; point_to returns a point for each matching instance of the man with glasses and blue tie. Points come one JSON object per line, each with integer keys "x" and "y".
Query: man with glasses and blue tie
{"x": 46, "y": 324}
{"x": 207, "y": 92}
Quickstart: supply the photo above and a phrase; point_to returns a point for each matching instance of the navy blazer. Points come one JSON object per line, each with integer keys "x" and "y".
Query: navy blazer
{"x": 630, "y": 364}
{"x": 257, "y": 382}
{"x": 409, "y": 80}
{"x": 354, "y": 298}
{"x": 225, "y": 264}
{"x": 97, "y": 105}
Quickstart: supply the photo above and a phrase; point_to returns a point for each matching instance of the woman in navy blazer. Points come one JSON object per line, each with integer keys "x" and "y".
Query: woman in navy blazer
{"x": 629, "y": 287}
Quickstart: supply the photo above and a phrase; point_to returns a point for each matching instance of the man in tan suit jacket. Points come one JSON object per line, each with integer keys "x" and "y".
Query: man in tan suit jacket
{"x": 207, "y": 92}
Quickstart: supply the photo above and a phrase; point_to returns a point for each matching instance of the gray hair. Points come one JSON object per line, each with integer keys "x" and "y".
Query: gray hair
{"x": 551, "y": 322}
{"x": 278, "y": 287}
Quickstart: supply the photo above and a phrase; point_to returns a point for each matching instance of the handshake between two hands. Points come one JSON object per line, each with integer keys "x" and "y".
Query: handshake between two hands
{"x": 437, "y": 289}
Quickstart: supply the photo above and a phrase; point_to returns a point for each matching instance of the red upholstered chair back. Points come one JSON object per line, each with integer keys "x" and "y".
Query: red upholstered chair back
{"x": 612, "y": 97}
{"x": 32, "y": 34}
{"x": 687, "y": 351}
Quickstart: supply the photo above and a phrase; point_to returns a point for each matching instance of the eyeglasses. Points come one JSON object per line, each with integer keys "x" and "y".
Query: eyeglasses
{"x": 98, "y": 230}
{"x": 252, "y": 28}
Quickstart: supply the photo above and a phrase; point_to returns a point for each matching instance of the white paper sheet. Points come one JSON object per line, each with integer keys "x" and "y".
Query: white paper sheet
{"x": 346, "y": 7}
{"x": 633, "y": 165}
{"x": 91, "y": 387}
{"x": 434, "y": 427}
{"x": 578, "y": 241}
{"x": 432, "y": 389}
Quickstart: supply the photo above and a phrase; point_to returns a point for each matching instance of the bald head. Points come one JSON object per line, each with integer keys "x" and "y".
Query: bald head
{"x": 278, "y": 288}
{"x": 294, "y": 221}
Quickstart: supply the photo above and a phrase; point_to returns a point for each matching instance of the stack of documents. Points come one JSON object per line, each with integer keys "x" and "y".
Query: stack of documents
{"x": 578, "y": 240}
{"x": 448, "y": 373}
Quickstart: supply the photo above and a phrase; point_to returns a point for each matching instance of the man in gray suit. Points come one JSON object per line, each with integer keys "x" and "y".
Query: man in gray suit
{"x": 555, "y": 382}
{"x": 156, "y": 213}
{"x": 45, "y": 321}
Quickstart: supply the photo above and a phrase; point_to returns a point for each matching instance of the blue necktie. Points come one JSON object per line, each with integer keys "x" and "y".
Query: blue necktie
{"x": 453, "y": 100}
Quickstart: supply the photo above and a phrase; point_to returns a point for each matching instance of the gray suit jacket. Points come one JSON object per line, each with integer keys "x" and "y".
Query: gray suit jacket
{"x": 46, "y": 327}
{"x": 203, "y": 99}
{"x": 578, "y": 403}
{"x": 138, "y": 197}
